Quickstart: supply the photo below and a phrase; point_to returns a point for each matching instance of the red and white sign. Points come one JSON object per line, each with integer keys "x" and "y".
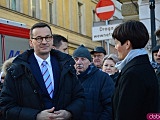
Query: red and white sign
{"x": 105, "y": 9}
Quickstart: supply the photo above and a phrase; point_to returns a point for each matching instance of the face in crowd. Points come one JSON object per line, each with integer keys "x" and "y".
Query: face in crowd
{"x": 156, "y": 56}
{"x": 63, "y": 47}
{"x": 122, "y": 50}
{"x": 109, "y": 67}
{"x": 60, "y": 43}
{"x": 41, "y": 41}
{"x": 81, "y": 64}
{"x": 98, "y": 59}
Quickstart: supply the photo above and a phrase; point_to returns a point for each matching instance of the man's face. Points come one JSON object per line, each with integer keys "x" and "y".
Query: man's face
{"x": 98, "y": 59}
{"x": 63, "y": 47}
{"x": 81, "y": 64}
{"x": 122, "y": 50}
{"x": 43, "y": 48}
{"x": 156, "y": 56}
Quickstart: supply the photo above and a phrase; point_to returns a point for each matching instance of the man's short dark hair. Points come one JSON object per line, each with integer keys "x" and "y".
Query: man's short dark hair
{"x": 134, "y": 31}
{"x": 39, "y": 25}
{"x": 57, "y": 40}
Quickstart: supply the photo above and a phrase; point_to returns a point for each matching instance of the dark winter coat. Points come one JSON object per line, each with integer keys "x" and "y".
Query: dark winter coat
{"x": 136, "y": 92}
{"x": 98, "y": 88}
{"x": 22, "y": 95}
{"x": 114, "y": 76}
{"x": 158, "y": 77}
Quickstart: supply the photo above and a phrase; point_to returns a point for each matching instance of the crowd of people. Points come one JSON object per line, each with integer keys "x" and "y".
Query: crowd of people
{"x": 46, "y": 83}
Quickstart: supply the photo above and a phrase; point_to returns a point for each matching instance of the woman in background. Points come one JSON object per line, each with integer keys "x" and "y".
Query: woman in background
{"x": 109, "y": 63}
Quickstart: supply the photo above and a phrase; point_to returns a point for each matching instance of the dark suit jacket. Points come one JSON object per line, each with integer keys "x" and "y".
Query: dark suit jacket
{"x": 39, "y": 78}
{"x": 37, "y": 73}
{"x": 136, "y": 92}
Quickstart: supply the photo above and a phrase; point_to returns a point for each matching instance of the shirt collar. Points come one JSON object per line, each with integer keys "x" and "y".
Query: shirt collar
{"x": 40, "y": 60}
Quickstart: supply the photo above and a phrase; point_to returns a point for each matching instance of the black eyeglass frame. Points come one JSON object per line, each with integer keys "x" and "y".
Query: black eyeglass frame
{"x": 40, "y": 39}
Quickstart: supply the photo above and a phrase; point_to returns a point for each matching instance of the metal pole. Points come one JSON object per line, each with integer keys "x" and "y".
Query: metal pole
{"x": 152, "y": 15}
{"x": 107, "y": 43}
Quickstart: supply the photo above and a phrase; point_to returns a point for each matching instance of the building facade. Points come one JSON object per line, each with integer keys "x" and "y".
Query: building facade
{"x": 71, "y": 18}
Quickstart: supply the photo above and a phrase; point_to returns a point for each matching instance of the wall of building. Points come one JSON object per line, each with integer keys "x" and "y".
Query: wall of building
{"x": 65, "y": 20}
{"x": 145, "y": 17}
{"x": 144, "y": 14}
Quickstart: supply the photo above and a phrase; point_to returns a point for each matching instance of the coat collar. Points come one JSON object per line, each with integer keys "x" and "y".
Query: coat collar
{"x": 142, "y": 59}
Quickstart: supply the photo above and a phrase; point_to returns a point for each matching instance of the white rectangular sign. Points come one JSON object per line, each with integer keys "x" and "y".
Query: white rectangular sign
{"x": 102, "y": 32}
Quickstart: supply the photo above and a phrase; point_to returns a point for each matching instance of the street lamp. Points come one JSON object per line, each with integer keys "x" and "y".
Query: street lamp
{"x": 152, "y": 15}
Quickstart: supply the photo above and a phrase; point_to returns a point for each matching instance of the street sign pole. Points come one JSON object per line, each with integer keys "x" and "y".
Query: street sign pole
{"x": 107, "y": 43}
{"x": 108, "y": 47}
{"x": 152, "y": 15}
{"x": 104, "y": 10}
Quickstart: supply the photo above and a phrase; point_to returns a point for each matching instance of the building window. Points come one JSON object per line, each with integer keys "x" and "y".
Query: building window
{"x": 95, "y": 17}
{"x": 81, "y": 18}
{"x": 14, "y": 4}
{"x": 35, "y": 8}
{"x": 80, "y": 12}
{"x": 50, "y": 12}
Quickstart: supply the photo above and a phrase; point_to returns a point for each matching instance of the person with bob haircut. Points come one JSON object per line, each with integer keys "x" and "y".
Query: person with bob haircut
{"x": 136, "y": 88}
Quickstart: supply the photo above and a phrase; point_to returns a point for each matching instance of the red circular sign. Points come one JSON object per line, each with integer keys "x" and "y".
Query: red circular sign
{"x": 105, "y": 9}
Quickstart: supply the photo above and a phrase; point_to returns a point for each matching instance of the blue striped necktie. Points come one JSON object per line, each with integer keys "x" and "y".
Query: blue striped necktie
{"x": 47, "y": 78}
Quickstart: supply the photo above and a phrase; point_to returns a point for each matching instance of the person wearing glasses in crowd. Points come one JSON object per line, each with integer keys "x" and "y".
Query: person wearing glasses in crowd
{"x": 41, "y": 84}
{"x": 98, "y": 54}
{"x": 60, "y": 43}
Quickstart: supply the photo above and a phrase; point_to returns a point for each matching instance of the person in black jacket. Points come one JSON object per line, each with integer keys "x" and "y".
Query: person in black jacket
{"x": 25, "y": 96}
{"x": 136, "y": 92}
{"x": 7, "y": 63}
{"x": 98, "y": 87}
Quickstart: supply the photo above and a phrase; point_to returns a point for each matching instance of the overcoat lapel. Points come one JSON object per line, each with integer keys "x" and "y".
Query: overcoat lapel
{"x": 37, "y": 73}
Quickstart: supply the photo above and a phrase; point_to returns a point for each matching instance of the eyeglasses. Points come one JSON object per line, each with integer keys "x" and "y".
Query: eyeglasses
{"x": 40, "y": 39}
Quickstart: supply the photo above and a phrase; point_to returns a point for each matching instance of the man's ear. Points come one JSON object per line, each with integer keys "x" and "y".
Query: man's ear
{"x": 30, "y": 43}
{"x": 53, "y": 47}
{"x": 128, "y": 45}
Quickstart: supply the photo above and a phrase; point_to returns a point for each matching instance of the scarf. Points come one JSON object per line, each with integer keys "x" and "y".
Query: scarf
{"x": 132, "y": 54}
{"x": 155, "y": 65}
